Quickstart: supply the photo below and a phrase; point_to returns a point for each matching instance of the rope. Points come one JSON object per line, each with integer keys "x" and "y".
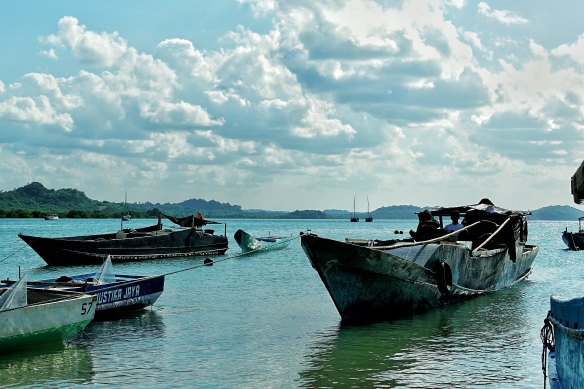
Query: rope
{"x": 223, "y": 259}
{"x": 547, "y": 338}
{"x": 492, "y": 235}
{"x": 12, "y": 253}
{"x": 443, "y": 237}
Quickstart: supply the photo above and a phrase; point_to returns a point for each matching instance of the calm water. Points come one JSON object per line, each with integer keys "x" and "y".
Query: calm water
{"x": 266, "y": 321}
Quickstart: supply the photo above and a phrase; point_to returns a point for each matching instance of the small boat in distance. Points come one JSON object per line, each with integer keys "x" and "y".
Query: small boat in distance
{"x": 372, "y": 280}
{"x": 116, "y": 294}
{"x": 126, "y": 245}
{"x": 369, "y": 218}
{"x": 574, "y": 240}
{"x": 51, "y": 216}
{"x": 250, "y": 244}
{"x": 354, "y": 218}
{"x": 126, "y": 215}
{"x": 31, "y": 317}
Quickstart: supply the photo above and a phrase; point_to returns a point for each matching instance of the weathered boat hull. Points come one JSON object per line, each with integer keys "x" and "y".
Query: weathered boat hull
{"x": 123, "y": 246}
{"x": 574, "y": 240}
{"x": 566, "y": 368}
{"x": 248, "y": 243}
{"x": 128, "y": 293}
{"x": 43, "y": 321}
{"x": 370, "y": 284}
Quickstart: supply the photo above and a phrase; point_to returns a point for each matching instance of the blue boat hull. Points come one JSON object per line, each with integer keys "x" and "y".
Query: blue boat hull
{"x": 566, "y": 369}
{"x": 128, "y": 293}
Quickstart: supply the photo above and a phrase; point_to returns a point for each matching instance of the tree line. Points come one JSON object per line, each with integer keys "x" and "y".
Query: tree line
{"x": 76, "y": 214}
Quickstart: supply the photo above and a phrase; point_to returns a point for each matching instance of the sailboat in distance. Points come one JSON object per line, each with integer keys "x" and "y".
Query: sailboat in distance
{"x": 354, "y": 219}
{"x": 369, "y": 218}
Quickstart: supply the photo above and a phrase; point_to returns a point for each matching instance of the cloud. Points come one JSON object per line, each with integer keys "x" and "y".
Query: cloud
{"x": 392, "y": 96}
{"x": 501, "y": 16}
{"x": 99, "y": 49}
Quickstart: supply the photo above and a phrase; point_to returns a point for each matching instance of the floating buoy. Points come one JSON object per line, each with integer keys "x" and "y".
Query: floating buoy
{"x": 208, "y": 262}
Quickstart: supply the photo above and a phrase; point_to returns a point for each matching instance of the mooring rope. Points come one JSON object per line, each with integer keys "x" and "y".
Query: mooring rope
{"x": 547, "y": 338}
{"x": 242, "y": 254}
{"x": 12, "y": 253}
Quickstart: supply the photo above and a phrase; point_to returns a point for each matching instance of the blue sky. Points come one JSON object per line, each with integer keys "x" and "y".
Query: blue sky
{"x": 294, "y": 105}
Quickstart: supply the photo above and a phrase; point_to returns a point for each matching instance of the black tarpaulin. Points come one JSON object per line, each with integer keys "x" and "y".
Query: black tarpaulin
{"x": 190, "y": 221}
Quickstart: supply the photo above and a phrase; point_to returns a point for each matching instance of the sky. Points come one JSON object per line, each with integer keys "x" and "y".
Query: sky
{"x": 293, "y": 105}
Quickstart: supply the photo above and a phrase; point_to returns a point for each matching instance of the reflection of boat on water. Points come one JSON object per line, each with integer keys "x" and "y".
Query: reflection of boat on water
{"x": 69, "y": 365}
{"x": 372, "y": 280}
{"x": 249, "y": 243}
{"x": 152, "y": 242}
{"x": 430, "y": 350}
{"x": 133, "y": 326}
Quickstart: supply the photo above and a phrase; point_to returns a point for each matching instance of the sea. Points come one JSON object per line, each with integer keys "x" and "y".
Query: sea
{"x": 267, "y": 321}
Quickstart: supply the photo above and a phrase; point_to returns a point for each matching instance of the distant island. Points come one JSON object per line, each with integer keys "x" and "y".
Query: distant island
{"x": 35, "y": 201}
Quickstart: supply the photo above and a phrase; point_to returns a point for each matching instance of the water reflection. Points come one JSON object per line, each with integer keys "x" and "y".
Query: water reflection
{"x": 138, "y": 325}
{"x": 123, "y": 349}
{"x": 65, "y": 365}
{"x": 472, "y": 344}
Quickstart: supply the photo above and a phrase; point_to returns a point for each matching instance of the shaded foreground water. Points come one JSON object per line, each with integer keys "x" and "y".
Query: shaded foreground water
{"x": 266, "y": 320}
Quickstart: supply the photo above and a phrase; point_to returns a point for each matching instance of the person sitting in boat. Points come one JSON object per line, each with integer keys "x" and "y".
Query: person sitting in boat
{"x": 428, "y": 227}
{"x": 199, "y": 215}
{"x": 455, "y": 225}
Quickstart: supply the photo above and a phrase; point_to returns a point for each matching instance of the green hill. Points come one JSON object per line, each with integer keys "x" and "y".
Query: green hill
{"x": 557, "y": 212}
{"x": 35, "y": 197}
{"x": 34, "y": 200}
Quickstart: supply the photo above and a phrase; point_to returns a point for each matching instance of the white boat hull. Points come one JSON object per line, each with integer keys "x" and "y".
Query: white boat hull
{"x": 46, "y": 321}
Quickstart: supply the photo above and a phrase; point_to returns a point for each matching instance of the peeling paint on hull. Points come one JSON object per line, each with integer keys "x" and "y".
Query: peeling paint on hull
{"x": 369, "y": 284}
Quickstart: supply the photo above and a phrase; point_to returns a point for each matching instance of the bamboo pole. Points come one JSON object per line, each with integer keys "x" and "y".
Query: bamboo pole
{"x": 428, "y": 241}
{"x": 492, "y": 236}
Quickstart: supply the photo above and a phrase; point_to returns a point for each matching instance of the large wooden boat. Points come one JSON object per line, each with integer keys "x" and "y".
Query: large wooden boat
{"x": 41, "y": 316}
{"x": 382, "y": 279}
{"x": 249, "y": 244}
{"x": 152, "y": 242}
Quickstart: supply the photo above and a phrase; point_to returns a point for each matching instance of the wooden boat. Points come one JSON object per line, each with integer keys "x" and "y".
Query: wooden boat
{"x": 29, "y": 317}
{"x": 574, "y": 240}
{"x": 116, "y": 294}
{"x": 354, "y": 218}
{"x": 372, "y": 280}
{"x": 564, "y": 342}
{"x": 152, "y": 242}
{"x": 369, "y": 218}
{"x": 249, "y": 243}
